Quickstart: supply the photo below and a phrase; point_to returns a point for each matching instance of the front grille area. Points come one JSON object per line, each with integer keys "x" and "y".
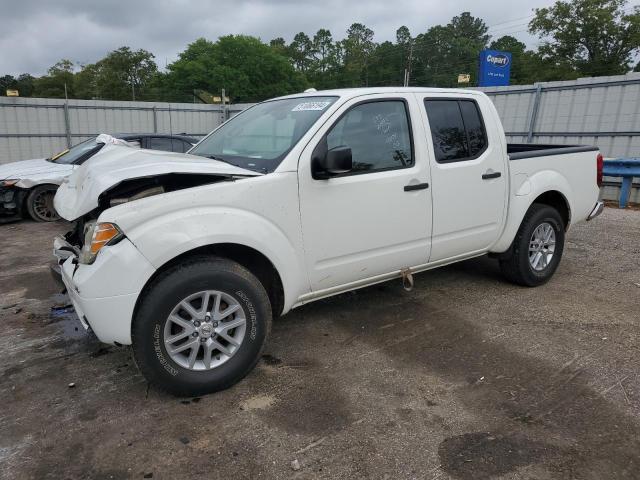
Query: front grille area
{"x": 10, "y": 202}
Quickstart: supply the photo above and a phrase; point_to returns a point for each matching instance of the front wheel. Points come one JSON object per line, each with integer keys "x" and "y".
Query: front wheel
{"x": 201, "y": 326}
{"x": 537, "y": 249}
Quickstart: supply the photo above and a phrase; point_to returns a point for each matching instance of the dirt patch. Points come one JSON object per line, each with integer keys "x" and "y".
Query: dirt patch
{"x": 258, "y": 402}
{"x": 38, "y": 285}
{"x": 480, "y": 455}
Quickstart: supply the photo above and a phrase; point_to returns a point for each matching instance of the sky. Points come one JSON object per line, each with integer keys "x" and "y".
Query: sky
{"x": 35, "y": 34}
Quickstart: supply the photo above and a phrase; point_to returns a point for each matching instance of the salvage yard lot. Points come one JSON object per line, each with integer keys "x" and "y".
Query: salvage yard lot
{"x": 464, "y": 377}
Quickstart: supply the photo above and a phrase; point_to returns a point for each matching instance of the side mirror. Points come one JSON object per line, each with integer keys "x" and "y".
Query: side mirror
{"x": 336, "y": 161}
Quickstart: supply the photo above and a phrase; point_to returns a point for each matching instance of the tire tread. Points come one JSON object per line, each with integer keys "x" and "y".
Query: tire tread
{"x": 137, "y": 333}
{"x": 512, "y": 267}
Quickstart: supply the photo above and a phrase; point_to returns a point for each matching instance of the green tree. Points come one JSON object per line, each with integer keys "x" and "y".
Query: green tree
{"x": 594, "y": 37}
{"x": 323, "y": 50}
{"x": 246, "y": 68}
{"x": 520, "y": 62}
{"x": 280, "y": 46}
{"x": 7, "y": 82}
{"x": 124, "y": 74}
{"x": 387, "y": 65}
{"x": 443, "y": 52}
{"x": 358, "y": 49}
{"x": 528, "y": 67}
{"x": 85, "y": 82}
{"x": 59, "y": 78}
{"x": 25, "y": 84}
{"x": 403, "y": 36}
{"x": 327, "y": 61}
{"x": 302, "y": 52}
{"x": 405, "y": 43}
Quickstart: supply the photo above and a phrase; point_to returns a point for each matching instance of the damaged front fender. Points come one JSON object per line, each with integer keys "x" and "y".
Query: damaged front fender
{"x": 120, "y": 175}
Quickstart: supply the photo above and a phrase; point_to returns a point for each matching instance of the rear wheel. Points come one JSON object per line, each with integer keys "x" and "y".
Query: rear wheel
{"x": 39, "y": 203}
{"x": 201, "y": 326}
{"x": 537, "y": 249}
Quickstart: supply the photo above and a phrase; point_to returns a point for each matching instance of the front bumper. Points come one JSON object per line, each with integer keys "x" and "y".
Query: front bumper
{"x": 11, "y": 200}
{"x": 104, "y": 294}
{"x": 61, "y": 251}
{"x": 597, "y": 210}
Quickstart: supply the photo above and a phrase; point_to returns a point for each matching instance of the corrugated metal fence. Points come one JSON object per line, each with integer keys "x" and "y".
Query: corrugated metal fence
{"x": 40, "y": 127}
{"x": 602, "y": 111}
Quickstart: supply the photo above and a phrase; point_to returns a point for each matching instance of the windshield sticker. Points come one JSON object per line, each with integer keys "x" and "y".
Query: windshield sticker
{"x": 309, "y": 106}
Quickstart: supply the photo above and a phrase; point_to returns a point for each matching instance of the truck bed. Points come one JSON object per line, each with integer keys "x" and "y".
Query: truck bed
{"x": 518, "y": 151}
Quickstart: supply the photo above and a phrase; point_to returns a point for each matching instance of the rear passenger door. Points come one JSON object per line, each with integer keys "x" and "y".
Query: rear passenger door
{"x": 468, "y": 174}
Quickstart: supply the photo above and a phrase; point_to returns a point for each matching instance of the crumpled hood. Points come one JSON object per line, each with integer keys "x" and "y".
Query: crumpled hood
{"x": 80, "y": 192}
{"x": 34, "y": 172}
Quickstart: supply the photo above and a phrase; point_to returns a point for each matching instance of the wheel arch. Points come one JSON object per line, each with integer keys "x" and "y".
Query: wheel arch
{"x": 250, "y": 258}
{"x": 555, "y": 197}
{"x": 28, "y": 190}
{"x": 557, "y": 200}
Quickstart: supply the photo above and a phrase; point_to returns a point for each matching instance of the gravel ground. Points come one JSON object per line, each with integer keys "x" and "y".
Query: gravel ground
{"x": 465, "y": 377}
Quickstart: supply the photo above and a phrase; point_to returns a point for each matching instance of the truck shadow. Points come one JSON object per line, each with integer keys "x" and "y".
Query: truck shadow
{"x": 535, "y": 412}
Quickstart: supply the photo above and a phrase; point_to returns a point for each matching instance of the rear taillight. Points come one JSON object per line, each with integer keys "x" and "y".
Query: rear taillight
{"x": 600, "y": 163}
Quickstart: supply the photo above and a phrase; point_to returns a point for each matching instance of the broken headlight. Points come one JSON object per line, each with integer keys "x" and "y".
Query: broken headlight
{"x": 96, "y": 236}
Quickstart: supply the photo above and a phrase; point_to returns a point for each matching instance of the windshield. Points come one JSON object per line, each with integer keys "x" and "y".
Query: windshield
{"x": 76, "y": 152}
{"x": 260, "y": 137}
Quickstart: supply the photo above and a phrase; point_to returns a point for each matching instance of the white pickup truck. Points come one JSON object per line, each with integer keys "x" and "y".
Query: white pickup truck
{"x": 188, "y": 257}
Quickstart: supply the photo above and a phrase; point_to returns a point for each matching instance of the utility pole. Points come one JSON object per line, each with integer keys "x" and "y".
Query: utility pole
{"x": 67, "y": 122}
{"x": 222, "y": 104}
{"x": 407, "y": 71}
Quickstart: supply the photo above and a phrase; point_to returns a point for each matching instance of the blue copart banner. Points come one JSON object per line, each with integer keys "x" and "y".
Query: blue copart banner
{"x": 495, "y": 68}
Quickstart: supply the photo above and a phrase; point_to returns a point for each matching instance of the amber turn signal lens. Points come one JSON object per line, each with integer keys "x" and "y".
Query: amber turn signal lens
{"x": 102, "y": 235}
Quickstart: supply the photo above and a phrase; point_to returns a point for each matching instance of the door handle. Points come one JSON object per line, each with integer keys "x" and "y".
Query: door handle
{"x": 487, "y": 176}
{"x": 416, "y": 186}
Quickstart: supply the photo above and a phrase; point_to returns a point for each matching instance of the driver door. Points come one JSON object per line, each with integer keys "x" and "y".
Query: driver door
{"x": 375, "y": 219}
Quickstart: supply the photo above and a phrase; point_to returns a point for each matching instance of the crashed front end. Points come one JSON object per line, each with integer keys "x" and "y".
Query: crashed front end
{"x": 102, "y": 270}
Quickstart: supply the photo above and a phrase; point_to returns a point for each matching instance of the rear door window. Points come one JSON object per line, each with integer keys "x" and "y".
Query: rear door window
{"x": 473, "y": 125}
{"x": 457, "y": 129}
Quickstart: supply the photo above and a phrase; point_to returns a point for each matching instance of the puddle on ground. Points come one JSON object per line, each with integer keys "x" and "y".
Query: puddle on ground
{"x": 71, "y": 335}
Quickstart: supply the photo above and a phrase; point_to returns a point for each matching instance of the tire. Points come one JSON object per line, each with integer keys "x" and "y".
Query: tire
{"x": 39, "y": 203}
{"x": 235, "y": 286}
{"x": 518, "y": 266}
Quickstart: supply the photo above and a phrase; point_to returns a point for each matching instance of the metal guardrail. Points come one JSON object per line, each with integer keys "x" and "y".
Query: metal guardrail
{"x": 625, "y": 168}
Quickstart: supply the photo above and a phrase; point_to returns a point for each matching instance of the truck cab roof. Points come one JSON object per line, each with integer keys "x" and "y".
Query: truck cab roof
{"x": 356, "y": 92}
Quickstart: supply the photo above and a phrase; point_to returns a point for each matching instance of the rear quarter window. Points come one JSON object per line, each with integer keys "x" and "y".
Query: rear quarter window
{"x": 457, "y": 129}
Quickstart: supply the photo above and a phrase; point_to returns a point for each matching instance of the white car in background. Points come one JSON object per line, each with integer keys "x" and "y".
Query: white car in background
{"x": 29, "y": 186}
